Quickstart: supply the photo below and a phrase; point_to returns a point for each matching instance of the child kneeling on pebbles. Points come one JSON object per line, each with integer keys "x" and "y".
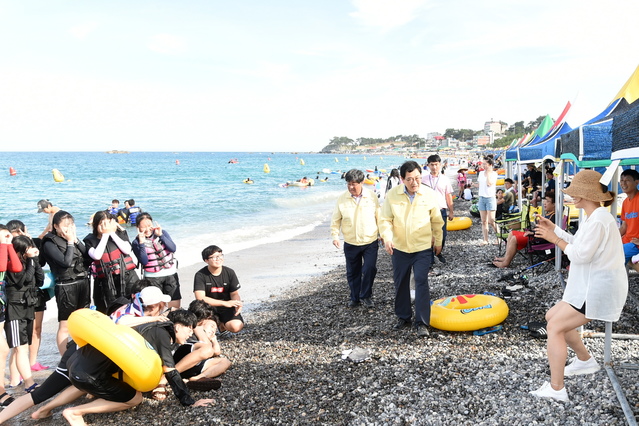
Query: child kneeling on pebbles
{"x": 198, "y": 359}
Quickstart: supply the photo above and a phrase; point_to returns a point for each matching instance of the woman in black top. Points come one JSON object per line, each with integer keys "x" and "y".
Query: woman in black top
{"x": 67, "y": 258}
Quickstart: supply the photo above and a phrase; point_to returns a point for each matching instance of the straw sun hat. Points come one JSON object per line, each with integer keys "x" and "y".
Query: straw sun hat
{"x": 586, "y": 185}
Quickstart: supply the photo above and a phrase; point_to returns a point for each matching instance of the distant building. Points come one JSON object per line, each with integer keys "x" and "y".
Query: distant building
{"x": 481, "y": 140}
{"x": 497, "y": 127}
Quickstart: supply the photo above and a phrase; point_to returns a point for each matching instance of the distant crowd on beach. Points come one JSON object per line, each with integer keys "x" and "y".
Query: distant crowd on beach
{"x": 133, "y": 283}
{"x": 411, "y": 226}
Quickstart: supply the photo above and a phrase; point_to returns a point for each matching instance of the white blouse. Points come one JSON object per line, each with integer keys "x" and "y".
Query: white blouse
{"x": 484, "y": 189}
{"x": 597, "y": 273}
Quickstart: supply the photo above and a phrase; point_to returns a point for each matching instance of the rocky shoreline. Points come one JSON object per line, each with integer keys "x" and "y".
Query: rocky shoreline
{"x": 288, "y": 366}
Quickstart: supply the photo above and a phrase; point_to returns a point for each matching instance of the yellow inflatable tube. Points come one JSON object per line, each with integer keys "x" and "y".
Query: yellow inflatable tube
{"x": 140, "y": 364}
{"x": 458, "y": 223}
{"x": 467, "y": 312}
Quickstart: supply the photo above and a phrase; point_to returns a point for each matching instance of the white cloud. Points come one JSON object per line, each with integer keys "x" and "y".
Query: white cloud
{"x": 166, "y": 43}
{"x": 83, "y": 30}
{"x": 387, "y": 14}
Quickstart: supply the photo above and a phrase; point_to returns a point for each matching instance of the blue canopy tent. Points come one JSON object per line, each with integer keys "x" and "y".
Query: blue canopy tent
{"x": 590, "y": 144}
{"x": 548, "y": 148}
{"x": 625, "y": 136}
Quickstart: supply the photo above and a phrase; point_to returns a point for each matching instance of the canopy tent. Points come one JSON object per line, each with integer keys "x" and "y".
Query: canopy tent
{"x": 540, "y": 133}
{"x": 625, "y": 135}
{"x": 590, "y": 145}
{"x": 548, "y": 148}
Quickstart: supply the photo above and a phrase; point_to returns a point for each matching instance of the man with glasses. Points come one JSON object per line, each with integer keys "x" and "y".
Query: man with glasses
{"x": 218, "y": 286}
{"x": 411, "y": 226}
{"x": 629, "y": 228}
{"x": 356, "y": 215}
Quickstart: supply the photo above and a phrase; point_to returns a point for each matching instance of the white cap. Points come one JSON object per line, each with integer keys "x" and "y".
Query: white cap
{"x": 152, "y": 295}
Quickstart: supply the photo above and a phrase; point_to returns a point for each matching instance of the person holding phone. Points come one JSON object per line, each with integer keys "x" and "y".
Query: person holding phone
{"x": 597, "y": 283}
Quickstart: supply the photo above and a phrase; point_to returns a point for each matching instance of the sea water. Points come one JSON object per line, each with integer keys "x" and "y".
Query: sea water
{"x": 199, "y": 198}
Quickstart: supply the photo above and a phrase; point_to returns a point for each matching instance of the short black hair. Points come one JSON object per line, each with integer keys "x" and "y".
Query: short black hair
{"x": 15, "y": 225}
{"x": 183, "y": 317}
{"x": 139, "y": 218}
{"x": 434, "y": 159}
{"x": 207, "y": 252}
{"x": 354, "y": 175}
{"x": 202, "y": 310}
{"x": 628, "y": 172}
{"x": 509, "y": 180}
{"x": 408, "y": 167}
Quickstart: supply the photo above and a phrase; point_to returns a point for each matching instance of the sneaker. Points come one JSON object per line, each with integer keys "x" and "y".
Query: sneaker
{"x": 401, "y": 323}
{"x": 577, "y": 366}
{"x": 368, "y": 303}
{"x": 546, "y": 391}
{"x": 422, "y": 330}
{"x": 353, "y": 304}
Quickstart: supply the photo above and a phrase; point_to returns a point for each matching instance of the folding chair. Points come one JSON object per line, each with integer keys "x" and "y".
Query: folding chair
{"x": 539, "y": 252}
{"x": 516, "y": 221}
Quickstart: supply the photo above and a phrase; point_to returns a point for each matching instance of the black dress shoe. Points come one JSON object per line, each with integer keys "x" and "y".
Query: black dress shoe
{"x": 401, "y": 323}
{"x": 368, "y": 303}
{"x": 352, "y": 304}
{"x": 422, "y": 330}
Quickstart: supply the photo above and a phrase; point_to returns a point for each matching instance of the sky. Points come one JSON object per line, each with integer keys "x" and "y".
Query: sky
{"x": 285, "y": 75}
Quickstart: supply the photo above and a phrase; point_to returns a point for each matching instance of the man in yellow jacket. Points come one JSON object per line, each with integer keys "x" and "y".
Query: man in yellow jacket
{"x": 411, "y": 226}
{"x": 356, "y": 215}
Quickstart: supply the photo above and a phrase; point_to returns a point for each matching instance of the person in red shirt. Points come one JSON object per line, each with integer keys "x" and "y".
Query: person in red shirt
{"x": 629, "y": 228}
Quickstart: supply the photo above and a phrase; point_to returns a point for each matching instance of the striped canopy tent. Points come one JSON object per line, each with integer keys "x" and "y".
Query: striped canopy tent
{"x": 590, "y": 145}
{"x": 547, "y": 148}
{"x": 538, "y": 135}
{"x": 625, "y": 127}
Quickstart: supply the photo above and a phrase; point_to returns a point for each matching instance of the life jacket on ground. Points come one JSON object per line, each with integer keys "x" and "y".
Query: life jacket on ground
{"x": 159, "y": 257}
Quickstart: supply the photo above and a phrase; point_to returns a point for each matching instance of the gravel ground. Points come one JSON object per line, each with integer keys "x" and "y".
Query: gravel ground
{"x": 288, "y": 369}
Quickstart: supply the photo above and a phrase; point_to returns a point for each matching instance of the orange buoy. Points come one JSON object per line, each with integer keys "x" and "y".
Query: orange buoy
{"x": 12, "y": 171}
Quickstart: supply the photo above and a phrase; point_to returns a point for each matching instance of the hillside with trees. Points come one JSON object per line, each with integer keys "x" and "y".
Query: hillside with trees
{"x": 514, "y": 131}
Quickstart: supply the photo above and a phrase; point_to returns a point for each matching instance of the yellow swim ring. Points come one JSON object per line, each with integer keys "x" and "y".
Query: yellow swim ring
{"x": 500, "y": 182}
{"x": 140, "y": 364}
{"x": 467, "y": 312}
{"x": 249, "y": 181}
{"x": 458, "y": 223}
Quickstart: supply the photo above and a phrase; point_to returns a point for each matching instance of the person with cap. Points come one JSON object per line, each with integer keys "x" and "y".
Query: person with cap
{"x": 45, "y": 206}
{"x": 597, "y": 283}
{"x": 355, "y": 214}
{"x": 148, "y": 305}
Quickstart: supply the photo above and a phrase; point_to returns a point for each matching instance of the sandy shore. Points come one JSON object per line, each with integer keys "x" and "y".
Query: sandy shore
{"x": 288, "y": 369}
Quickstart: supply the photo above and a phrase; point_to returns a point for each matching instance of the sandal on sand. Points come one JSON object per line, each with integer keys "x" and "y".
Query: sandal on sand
{"x": 7, "y": 401}
{"x": 204, "y": 384}
{"x": 159, "y": 393}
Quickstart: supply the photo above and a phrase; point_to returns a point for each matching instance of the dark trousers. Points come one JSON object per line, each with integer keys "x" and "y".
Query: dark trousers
{"x": 361, "y": 268}
{"x": 419, "y": 263}
{"x": 444, "y": 213}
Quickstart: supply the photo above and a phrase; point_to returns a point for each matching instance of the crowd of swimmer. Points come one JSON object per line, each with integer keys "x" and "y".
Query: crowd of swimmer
{"x": 135, "y": 283}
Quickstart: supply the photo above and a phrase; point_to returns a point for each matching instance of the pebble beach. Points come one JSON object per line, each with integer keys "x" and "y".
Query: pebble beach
{"x": 288, "y": 366}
